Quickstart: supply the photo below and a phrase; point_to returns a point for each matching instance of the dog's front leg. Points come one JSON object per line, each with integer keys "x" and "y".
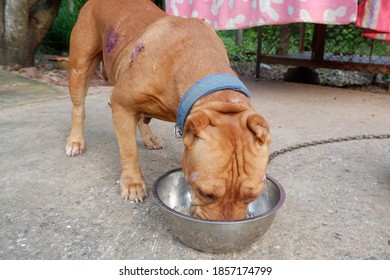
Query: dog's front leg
{"x": 131, "y": 181}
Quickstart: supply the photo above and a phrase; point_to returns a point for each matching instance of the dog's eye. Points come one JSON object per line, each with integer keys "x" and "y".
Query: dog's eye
{"x": 249, "y": 194}
{"x": 206, "y": 196}
{"x": 249, "y": 198}
{"x": 250, "y": 190}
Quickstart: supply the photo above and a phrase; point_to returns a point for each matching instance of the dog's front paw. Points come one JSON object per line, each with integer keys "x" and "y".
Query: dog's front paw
{"x": 132, "y": 191}
{"x": 154, "y": 143}
{"x": 74, "y": 148}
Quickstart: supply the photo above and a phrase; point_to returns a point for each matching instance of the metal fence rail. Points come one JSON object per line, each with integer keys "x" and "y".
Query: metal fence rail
{"x": 322, "y": 46}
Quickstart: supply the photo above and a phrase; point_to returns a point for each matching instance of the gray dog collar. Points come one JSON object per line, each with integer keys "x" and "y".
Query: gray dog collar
{"x": 204, "y": 87}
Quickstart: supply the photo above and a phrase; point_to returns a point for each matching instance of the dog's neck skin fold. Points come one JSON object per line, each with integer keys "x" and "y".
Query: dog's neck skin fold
{"x": 236, "y": 101}
{"x": 206, "y": 86}
{"x": 223, "y": 101}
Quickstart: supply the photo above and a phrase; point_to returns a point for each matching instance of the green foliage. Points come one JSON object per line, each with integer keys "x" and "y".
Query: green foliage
{"x": 246, "y": 51}
{"x": 349, "y": 40}
{"x": 344, "y": 39}
{"x": 57, "y": 39}
{"x": 270, "y": 40}
{"x": 341, "y": 39}
{"x": 308, "y": 36}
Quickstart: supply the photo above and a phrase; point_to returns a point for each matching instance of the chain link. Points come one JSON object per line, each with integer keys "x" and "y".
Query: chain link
{"x": 327, "y": 141}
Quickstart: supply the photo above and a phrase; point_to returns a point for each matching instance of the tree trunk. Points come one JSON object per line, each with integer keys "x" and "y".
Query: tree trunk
{"x": 284, "y": 43}
{"x": 23, "y": 25}
{"x": 239, "y": 36}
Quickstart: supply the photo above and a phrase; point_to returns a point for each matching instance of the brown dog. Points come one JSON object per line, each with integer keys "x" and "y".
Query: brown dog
{"x": 153, "y": 59}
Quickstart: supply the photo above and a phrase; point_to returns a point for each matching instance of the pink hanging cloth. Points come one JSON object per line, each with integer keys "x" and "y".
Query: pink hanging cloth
{"x": 374, "y": 17}
{"x": 236, "y": 14}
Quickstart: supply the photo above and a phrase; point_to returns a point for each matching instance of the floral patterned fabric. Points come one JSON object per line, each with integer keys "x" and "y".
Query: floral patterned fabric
{"x": 236, "y": 14}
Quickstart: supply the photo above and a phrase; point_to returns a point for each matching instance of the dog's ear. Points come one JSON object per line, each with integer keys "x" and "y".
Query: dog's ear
{"x": 198, "y": 121}
{"x": 195, "y": 124}
{"x": 260, "y": 128}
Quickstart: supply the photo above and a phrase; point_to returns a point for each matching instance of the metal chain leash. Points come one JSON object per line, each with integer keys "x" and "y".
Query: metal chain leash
{"x": 327, "y": 141}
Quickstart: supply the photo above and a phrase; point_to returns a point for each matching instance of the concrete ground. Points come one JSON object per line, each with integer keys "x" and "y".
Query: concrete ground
{"x": 54, "y": 207}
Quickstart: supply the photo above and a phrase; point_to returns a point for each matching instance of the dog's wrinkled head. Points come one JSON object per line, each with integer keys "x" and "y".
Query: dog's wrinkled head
{"x": 225, "y": 161}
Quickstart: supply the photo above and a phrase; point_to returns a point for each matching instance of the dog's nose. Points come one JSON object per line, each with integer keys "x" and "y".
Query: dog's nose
{"x": 228, "y": 215}
{"x": 233, "y": 214}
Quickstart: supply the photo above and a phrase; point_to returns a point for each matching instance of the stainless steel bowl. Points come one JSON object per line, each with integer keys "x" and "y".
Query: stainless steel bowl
{"x": 171, "y": 190}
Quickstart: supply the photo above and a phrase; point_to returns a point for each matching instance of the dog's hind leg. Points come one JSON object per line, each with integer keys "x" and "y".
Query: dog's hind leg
{"x": 151, "y": 141}
{"x": 85, "y": 55}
